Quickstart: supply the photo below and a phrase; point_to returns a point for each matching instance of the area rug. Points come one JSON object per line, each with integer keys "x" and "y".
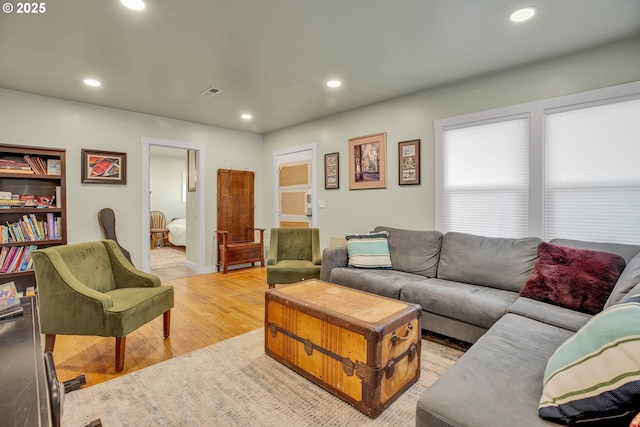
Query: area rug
{"x": 166, "y": 257}
{"x": 234, "y": 383}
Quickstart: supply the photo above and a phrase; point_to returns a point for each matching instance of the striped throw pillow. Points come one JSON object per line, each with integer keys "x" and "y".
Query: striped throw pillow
{"x": 368, "y": 250}
{"x": 594, "y": 376}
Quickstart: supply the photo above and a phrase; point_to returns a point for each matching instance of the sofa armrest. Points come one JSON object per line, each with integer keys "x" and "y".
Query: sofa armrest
{"x": 333, "y": 258}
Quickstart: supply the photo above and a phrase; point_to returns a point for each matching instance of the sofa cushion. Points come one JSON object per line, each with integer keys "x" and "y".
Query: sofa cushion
{"x": 498, "y": 381}
{"x": 548, "y": 313}
{"x": 595, "y": 374}
{"x": 381, "y": 282}
{"x": 489, "y": 261}
{"x": 413, "y": 251}
{"x": 477, "y": 305}
{"x": 578, "y": 279}
{"x": 625, "y": 251}
{"x": 629, "y": 279}
{"x": 368, "y": 250}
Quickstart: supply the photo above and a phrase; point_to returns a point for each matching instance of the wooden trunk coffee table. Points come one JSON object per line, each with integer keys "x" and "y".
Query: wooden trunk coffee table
{"x": 361, "y": 347}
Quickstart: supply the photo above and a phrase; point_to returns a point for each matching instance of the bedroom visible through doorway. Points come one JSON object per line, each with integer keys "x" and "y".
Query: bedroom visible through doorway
{"x": 168, "y": 196}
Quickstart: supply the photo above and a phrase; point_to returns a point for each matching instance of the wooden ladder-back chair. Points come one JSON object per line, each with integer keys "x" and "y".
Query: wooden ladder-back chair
{"x": 159, "y": 230}
{"x": 237, "y": 240}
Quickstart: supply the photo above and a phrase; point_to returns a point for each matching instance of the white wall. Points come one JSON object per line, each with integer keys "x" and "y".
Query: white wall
{"x": 166, "y": 170}
{"x": 41, "y": 121}
{"x": 412, "y": 117}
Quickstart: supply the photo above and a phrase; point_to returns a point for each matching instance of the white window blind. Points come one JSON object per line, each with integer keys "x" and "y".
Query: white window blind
{"x": 486, "y": 178}
{"x": 592, "y": 173}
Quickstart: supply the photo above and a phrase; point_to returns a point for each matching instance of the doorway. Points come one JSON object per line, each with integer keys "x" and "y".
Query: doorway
{"x": 295, "y": 187}
{"x": 195, "y": 202}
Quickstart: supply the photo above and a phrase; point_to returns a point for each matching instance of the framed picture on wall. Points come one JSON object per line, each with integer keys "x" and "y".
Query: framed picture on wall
{"x": 331, "y": 171}
{"x": 368, "y": 162}
{"x": 103, "y": 167}
{"x": 409, "y": 162}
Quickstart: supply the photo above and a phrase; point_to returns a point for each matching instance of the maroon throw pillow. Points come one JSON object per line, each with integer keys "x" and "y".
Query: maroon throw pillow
{"x": 578, "y": 279}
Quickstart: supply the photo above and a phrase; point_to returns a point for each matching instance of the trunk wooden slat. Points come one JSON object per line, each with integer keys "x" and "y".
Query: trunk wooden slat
{"x": 361, "y": 347}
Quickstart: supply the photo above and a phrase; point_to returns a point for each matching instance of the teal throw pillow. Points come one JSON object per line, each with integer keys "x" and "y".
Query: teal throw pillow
{"x": 368, "y": 250}
{"x": 593, "y": 378}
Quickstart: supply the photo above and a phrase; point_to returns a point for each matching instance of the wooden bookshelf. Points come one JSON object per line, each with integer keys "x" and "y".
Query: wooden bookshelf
{"x": 26, "y": 222}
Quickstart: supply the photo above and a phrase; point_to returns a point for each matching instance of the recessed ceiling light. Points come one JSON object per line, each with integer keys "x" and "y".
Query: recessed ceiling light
{"x": 133, "y": 4}
{"x": 523, "y": 14}
{"x": 246, "y": 116}
{"x": 334, "y": 83}
{"x": 92, "y": 82}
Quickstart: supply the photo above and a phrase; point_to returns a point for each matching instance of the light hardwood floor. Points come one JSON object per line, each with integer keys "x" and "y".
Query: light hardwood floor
{"x": 208, "y": 308}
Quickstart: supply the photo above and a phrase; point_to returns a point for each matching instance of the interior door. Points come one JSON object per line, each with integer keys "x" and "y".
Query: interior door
{"x": 294, "y": 207}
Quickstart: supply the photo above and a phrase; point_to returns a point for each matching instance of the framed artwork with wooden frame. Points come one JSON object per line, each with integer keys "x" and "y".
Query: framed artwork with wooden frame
{"x": 331, "y": 171}
{"x": 104, "y": 167}
{"x": 409, "y": 162}
{"x": 368, "y": 162}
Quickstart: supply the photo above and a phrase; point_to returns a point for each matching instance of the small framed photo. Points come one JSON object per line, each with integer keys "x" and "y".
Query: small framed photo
{"x": 104, "y": 167}
{"x": 409, "y": 162}
{"x": 331, "y": 171}
{"x": 368, "y": 162}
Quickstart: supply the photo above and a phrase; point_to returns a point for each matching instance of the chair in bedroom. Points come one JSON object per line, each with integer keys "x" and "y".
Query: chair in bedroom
{"x": 89, "y": 288}
{"x": 294, "y": 255}
{"x": 159, "y": 230}
{"x": 238, "y": 241}
{"x": 107, "y": 221}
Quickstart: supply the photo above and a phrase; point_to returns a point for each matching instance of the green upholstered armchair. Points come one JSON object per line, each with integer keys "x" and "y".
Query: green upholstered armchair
{"x": 294, "y": 255}
{"x": 90, "y": 288}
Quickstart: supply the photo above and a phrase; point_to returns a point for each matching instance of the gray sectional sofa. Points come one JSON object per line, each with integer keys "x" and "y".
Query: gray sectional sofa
{"x": 468, "y": 287}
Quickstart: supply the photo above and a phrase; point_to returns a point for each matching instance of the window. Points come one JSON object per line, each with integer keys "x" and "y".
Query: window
{"x": 592, "y": 174}
{"x": 486, "y": 178}
{"x": 565, "y": 167}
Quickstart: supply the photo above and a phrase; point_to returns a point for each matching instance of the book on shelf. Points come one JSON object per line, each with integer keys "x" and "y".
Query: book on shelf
{"x": 11, "y": 165}
{"x": 57, "y": 195}
{"x": 9, "y": 259}
{"x": 26, "y": 258}
{"x": 9, "y": 300}
{"x": 37, "y": 164}
{"x": 17, "y": 259}
{"x": 54, "y": 167}
{"x": 29, "y": 229}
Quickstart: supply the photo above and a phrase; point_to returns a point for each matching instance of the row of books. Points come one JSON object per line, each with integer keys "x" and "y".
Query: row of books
{"x": 16, "y": 258}
{"x": 14, "y": 200}
{"x": 31, "y": 165}
{"x": 29, "y": 229}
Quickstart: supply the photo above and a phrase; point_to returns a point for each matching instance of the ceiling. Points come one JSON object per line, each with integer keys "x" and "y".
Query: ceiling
{"x": 272, "y": 58}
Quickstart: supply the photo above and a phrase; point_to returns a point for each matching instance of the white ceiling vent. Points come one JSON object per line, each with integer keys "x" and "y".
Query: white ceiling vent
{"x": 210, "y": 91}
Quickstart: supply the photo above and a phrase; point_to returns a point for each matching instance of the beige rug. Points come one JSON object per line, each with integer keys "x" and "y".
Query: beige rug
{"x": 166, "y": 257}
{"x": 233, "y": 383}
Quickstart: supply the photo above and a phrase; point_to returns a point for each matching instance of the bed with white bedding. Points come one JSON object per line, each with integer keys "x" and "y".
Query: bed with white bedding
{"x": 178, "y": 232}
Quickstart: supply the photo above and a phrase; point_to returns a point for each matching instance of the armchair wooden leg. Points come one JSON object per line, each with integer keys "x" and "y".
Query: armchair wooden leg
{"x": 120, "y": 346}
{"x": 49, "y": 342}
{"x": 166, "y": 322}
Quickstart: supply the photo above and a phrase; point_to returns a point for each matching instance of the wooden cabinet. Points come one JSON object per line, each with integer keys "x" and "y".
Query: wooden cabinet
{"x": 35, "y": 216}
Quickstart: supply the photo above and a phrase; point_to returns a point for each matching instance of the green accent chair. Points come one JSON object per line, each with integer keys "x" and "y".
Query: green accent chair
{"x": 294, "y": 255}
{"x": 90, "y": 288}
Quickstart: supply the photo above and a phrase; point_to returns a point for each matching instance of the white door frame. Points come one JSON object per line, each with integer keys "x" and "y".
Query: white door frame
{"x": 145, "y": 187}
{"x": 314, "y": 181}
